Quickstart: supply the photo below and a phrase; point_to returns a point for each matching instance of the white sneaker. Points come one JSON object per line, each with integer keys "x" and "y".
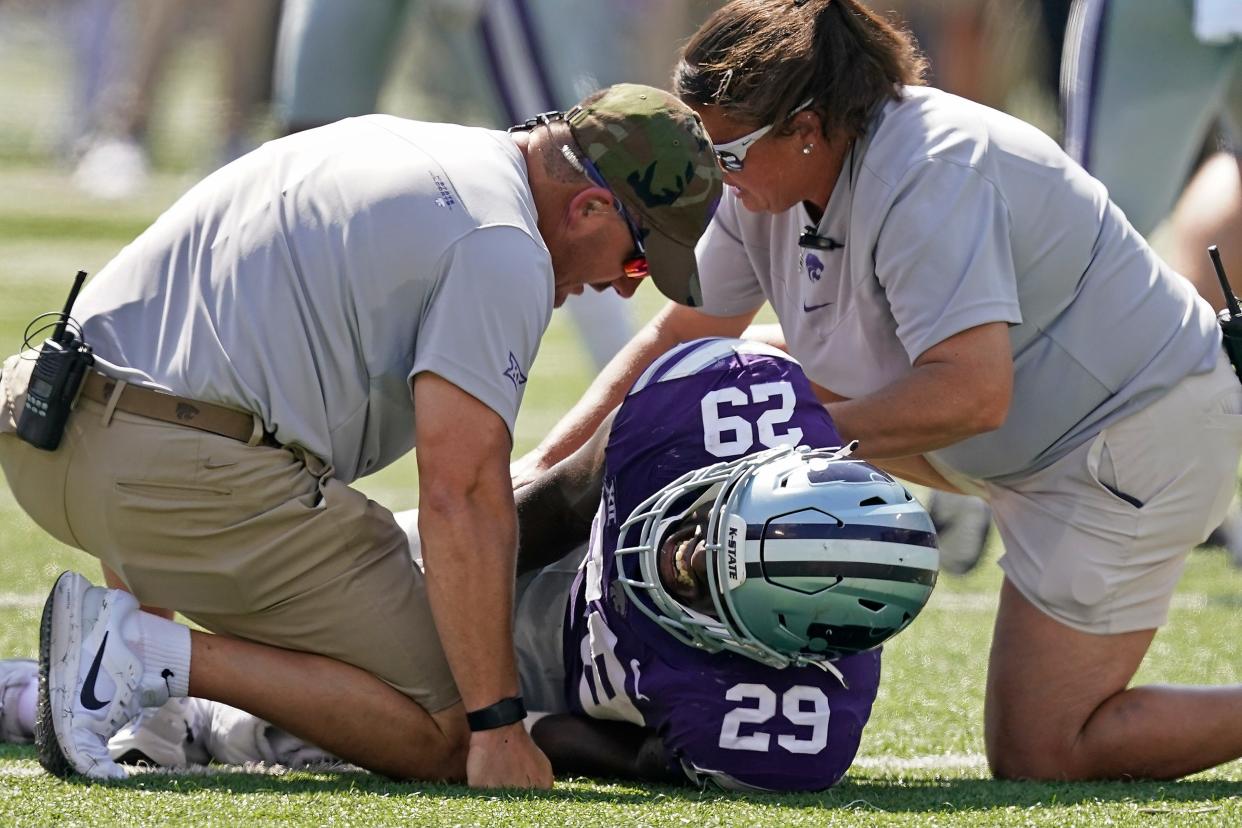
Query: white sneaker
{"x": 16, "y": 674}
{"x": 89, "y": 679}
{"x": 165, "y": 737}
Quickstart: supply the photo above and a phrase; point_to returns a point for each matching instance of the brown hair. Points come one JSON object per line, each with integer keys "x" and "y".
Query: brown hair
{"x": 759, "y": 59}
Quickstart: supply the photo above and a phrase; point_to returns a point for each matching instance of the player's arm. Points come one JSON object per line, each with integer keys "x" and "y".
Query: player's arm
{"x": 468, "y": 527}
{"x": 671, "y": 326}
{"x": 555, "y": 508}
{"x": 582, "y": 746}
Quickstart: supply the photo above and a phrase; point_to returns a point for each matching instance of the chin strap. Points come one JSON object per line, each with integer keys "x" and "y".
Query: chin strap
{"x": 828, "y": 667}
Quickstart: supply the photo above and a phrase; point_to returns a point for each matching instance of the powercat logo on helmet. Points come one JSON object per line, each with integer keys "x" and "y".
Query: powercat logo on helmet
{"x": 735, "y": 564}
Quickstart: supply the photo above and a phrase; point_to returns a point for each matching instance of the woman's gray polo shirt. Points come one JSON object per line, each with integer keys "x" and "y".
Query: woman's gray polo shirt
{"x": 952, "y": 215}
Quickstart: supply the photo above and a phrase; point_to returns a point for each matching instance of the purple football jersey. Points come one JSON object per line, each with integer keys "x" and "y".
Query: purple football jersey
{"x": 723, "y": 717}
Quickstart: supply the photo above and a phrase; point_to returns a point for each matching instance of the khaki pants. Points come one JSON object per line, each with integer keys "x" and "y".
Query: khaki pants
{"x": 255, "y": 542}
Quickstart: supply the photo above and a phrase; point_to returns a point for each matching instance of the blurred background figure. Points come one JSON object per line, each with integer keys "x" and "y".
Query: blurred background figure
{"x": 1002, "y": 53}
{"x": 92, "y": 32}
{"x": 969, "y": 44}
{"x": 120, "y": 66}
{"x": 333, "y": 58}
{"x": 1152, "y": 95}
{"x": 1153, "y": 100}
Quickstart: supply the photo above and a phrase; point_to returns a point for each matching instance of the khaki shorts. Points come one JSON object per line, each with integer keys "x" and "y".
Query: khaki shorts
{"x": 1098, "y": 540}
{"x": 254, "y": 542}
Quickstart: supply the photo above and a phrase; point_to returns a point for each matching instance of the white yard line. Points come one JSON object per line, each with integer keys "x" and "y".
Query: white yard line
{"x": 938, "y": 761}
{"x": 23, "y": 770}
{"x": 17, "y": 600}
{"x": 26, "y": 770}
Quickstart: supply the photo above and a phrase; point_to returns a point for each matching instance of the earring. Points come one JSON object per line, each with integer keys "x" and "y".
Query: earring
{"x": 807, "y": 149}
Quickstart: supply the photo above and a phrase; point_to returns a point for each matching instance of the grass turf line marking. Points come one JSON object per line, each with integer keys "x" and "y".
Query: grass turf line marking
{"x": 935, "y": 761}
{"x": 17, "y": 600}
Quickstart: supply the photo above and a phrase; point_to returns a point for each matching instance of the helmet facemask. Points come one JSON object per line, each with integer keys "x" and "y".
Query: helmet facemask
{"x": 730, "y": 489}
{"x": 658, "y": 517}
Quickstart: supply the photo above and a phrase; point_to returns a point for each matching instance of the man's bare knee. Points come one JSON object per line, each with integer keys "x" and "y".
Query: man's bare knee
{"x": 454, "y": 742}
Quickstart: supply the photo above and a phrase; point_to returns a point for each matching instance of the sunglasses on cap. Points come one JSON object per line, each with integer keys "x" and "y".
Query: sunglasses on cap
{"x": 732, "y": 154}
{"x": 635, "y": 265}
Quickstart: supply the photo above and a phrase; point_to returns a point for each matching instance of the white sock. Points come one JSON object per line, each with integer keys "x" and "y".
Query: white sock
{"x": 164, "y": 647}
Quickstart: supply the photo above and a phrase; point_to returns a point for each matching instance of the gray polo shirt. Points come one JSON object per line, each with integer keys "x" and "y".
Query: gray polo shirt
{"x": 310, "y": 280}
{"x": 953, "y": 215}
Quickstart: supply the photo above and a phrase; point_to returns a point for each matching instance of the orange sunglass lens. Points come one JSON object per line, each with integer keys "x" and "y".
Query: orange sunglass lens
{"x": 636, "y": 268}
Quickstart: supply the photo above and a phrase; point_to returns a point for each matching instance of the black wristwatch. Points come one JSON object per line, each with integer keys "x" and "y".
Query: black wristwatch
{"x": 504, "y": 712}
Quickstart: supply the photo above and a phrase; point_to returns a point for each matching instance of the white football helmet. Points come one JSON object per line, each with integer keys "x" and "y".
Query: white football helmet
{"x": 810, "y": 556}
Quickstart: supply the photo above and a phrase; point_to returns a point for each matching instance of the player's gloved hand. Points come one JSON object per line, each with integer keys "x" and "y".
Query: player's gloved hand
{"x": 506, "y": 757}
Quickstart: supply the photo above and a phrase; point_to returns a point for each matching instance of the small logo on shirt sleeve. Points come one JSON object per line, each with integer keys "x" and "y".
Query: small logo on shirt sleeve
{"x": 514, "y": 371}
{"x": 446, "y": 198}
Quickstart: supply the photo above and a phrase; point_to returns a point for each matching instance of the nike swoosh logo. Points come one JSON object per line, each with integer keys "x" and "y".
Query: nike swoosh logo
{"x": 808, "y": 308}
{"x": 88, "y": 687}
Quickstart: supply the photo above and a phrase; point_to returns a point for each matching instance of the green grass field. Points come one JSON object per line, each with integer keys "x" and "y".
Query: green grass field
{"x": 921, "y": 761}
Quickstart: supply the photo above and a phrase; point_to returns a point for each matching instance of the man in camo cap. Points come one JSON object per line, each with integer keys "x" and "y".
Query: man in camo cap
{"x": 268, "y": 341}
{"x": 648, "y": 149}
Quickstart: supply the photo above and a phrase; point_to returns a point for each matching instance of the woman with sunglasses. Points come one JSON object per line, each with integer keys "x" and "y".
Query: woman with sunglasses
{"x": 980, "y": 317}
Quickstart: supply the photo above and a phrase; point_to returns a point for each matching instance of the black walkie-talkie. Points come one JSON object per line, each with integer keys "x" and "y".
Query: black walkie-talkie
{"x": 1230, "y": 318}
{"x": 57, "y": 377}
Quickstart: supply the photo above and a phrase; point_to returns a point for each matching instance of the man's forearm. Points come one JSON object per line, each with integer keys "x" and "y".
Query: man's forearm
{"x": 468, "y": 553}
{"x": 469, "y": 539}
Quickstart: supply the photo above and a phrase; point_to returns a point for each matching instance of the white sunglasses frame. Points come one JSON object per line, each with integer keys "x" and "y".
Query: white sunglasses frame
{"x": 737, "y": 148}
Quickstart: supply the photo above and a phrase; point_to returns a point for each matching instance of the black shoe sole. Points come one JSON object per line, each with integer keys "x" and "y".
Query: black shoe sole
{"x": 51, "y": 757}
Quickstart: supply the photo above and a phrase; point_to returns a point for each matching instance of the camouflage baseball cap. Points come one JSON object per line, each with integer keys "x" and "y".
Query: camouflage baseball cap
{"x": 655, "y": 155}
